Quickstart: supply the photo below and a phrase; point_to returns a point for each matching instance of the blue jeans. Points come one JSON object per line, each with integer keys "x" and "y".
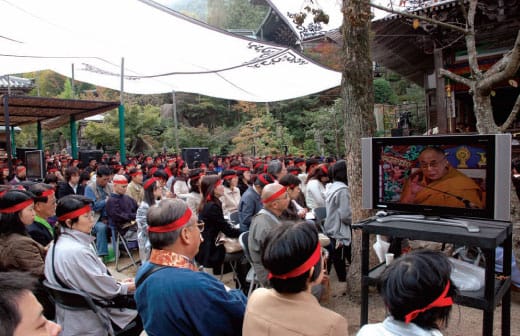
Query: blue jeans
{"x": 499, "y": 262}
{"x": 100, "y": 230}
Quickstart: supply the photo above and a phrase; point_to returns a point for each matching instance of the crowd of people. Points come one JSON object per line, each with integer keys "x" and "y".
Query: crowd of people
{"x": 59, "y": 230}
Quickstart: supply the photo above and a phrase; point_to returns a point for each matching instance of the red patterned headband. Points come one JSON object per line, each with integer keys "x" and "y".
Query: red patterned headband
{"x": 17, "y": 207}
{"x": 149, "y": 182}
{"x": 307, "y": 265}
{"x": 441, "y": 301}
{"x": 176, "y": 224}
{"x": 74, "y": 214}
{"x": 274, "y": 196}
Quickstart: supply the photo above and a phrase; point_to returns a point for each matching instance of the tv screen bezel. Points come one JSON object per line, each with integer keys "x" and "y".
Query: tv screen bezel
{"x": 31, "y": 171}
{"x": 498, "y": 146}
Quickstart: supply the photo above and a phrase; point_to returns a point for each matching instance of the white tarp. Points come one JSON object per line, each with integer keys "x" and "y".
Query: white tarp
{"x": 163, "y": 51}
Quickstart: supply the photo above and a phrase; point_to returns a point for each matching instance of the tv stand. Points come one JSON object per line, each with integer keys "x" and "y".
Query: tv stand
{"x": 491, "y": 234}
{"x": 431, "y": 220}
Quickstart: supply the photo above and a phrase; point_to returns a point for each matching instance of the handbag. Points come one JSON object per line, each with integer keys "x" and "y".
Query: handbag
{"x": 231, "y": 245}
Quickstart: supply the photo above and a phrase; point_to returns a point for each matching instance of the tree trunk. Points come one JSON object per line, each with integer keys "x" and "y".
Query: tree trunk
{"x": 358, "y": 98}
{"x": 484, "y": 113}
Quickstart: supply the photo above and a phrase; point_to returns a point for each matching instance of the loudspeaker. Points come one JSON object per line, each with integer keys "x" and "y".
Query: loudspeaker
{"x": 195, "y": 154}
{"x": 396, "y": 132}
{"x": 86, "y": 155}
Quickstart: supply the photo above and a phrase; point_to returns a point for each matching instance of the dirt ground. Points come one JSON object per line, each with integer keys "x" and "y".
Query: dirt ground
{"x": 464, "y": 321}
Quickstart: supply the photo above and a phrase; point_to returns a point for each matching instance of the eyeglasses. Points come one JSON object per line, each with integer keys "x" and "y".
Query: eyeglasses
{"x": 200, "y": 225}
{"x": 433, "y": 164}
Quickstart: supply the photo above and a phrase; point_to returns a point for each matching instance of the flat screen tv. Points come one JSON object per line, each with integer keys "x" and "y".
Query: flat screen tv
{"x": 34, "y": 163}
{"x": 456, "y": 176}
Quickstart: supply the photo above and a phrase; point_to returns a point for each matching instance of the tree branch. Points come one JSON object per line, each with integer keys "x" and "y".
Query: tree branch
{"x": 455, "y": 77}
{"x": 422, "y": 18}
{"x": 512, "y": 116}
{"x": 470, "y": 40}
{"x": 511, "y": 62}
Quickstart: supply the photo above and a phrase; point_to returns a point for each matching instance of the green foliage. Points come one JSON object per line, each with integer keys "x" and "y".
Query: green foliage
{"x": 242, "y": 15}
{"x": 212, "y": 112}
{"x": 383, "y": 92}
{"x": 325, "y": 133}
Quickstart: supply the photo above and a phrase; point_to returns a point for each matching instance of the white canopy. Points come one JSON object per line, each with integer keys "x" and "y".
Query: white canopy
{"x": 163, "y": 51}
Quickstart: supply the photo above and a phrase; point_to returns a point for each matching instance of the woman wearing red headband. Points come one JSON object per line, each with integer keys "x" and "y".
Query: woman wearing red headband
{"x": 72, "y": 263}
{"x": 194, "y": 197}
{"x": 18, "y": 251}
{"x": 152, "y": 196}
{"x": 231, "y": 196}
{"x": 315, "y": 188}
{"x": 292, "y": 255}
{"x": 210, "y": 212}
{"x": 418, "y": 294}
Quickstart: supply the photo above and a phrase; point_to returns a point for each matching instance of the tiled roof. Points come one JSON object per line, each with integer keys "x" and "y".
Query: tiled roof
{"x": 16, "y": 82}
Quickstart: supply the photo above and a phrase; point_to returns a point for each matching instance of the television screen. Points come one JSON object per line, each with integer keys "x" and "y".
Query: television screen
{"x": 35, "y": 164}
{"x": 453, "y": 175}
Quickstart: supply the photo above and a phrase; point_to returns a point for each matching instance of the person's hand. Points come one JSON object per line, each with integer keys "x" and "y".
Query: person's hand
{"x": 415, "y": 182}
{"x": 302, "y": 213}
{"x": 130, "y": 284}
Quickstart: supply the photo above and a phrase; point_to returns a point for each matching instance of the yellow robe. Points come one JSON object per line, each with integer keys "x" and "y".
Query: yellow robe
{"x": 448, "y": 191}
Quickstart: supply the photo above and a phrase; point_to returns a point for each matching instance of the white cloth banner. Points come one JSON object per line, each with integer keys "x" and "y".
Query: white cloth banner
{"x": 163, "y": 51}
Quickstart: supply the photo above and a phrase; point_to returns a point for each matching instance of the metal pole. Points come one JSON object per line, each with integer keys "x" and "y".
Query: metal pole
{"x": 122, "y": 148}
{"x": 175, "y": 124}
{"x": 39, "y": 134}
{"x": 8, "y": 134}
{"x": 72, "y": 124}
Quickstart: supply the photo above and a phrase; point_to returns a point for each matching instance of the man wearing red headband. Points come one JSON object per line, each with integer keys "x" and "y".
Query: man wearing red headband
{"x": 135, "y": 187}
{"x": 275, "y": 199}
{"x": 44, "y": 208}
{"x": 173, "y": 297}
{"x": 121, "y": 208}
{"x": 20, "y": 175}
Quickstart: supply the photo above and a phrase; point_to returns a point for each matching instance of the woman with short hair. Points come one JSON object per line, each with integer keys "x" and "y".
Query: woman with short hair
{"x": 152, "y": 195}
{"x": 292, "y": 255}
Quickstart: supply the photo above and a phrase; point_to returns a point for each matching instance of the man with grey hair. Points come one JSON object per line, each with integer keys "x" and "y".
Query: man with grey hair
{"x": 276, "y": 169}
{"x": 275, "y": 199}
{"x": 173, "y": 297}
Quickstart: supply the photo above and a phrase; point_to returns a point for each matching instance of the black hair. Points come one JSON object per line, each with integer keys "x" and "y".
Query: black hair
{"x": 70, "y": 203}
{"x": 339, "y": 171}
{"x": 290, "y": 181}
{"x": 266, "y": 177}
{"x": 11, "y": 222}
{"x": 37, "y": 190}
{"x": 287, "y": 247}
{"x": 195, "y": 183}
{"x": 50, "y": 178}
{"x": 412, "y": 282}
{"x": 13, "y": 285}
{"x": 70, "y": 171}
{"x": 226, "y": 182}
{"x": 84, "y": 176}
{"x": 165, "y": 212}
{"x": 207, "y": 189}
{"x": 159, "y": 173}
{"x": 148, "y": 196}
{"x": 318, "y": 173}
{"x": 103, "y": 171}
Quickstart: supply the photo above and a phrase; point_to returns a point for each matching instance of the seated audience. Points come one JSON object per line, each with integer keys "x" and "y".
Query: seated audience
{"x": 120, "y": 207}
{"x": 295, "y": 210}
{"x": 71, "y": 263}
{"x": 44, "y": 207}
{"x": 173, "y": 297}
{"x": 18, "y": 251}
{"x": 251, "y": 202}
{"x": 231, "y": 196}
{"x": 210, "y": 212}
{"x": 194, "y": 197}
{"x": 135, "y": 187}
{"x": 292, "y": 255}
{"x": 418, "y": 294}
{"x": 152, "y": 195}
{"x": 20, "y": 312}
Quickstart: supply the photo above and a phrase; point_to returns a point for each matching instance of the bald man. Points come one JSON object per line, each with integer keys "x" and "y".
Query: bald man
{"x": 275, "y": 200}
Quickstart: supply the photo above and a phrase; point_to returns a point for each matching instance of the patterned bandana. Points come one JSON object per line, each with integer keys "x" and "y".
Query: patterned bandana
{"x": 169, "y": 258}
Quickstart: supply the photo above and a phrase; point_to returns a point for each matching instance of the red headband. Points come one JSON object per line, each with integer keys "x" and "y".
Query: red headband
{"x": 17, "y": 207}
{"x": 307, "y": 265}
{"x": 75, "y": 213}
{"x": 125, "y": 181}
{"x": 176, "y": 224}
{"x": 294, "y": 172}
{"x": 196, "y": 177}
{"x": 149, "y": 182}
{"x": 229, "y": 177}
{"x": 441, "y": 301}
{"x": 136, "y": 173}
{"x": 209, "y": 197}
{"x": 262, "y": 179}
{"x": 301, "y": 163}
{"x": 47, "y": 193}
{"x": 325, "y": 169}
{"x": 275, "y": 195}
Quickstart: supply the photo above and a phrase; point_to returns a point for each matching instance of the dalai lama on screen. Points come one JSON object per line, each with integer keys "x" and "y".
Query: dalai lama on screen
{"x": 437, "y": 183}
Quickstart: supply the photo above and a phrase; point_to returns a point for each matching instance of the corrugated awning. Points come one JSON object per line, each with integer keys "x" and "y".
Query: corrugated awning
{"x": 52, "y": 112}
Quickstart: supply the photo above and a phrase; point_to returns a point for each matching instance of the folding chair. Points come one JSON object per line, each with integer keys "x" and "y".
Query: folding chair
{"x": 251, "y": 277}
{"x": 71, "y": 299}
{"x": 233, "y": 218}
{"x": 117, "y": 239}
